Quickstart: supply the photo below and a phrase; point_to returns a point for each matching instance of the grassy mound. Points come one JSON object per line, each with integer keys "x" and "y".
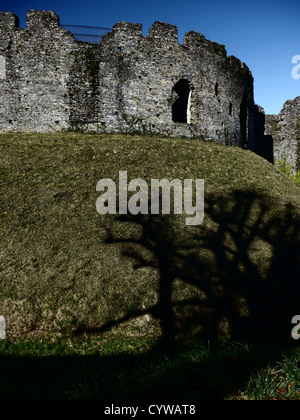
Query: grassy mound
{"x": 66, "y": 269}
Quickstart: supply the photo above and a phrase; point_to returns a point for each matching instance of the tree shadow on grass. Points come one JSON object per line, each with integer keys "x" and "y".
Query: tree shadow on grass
{"x": 242, "y": 266}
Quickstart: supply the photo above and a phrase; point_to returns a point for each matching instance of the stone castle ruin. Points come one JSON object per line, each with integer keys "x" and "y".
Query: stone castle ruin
{"x": 127, "y": 83}
{"x": 284, "y": 129}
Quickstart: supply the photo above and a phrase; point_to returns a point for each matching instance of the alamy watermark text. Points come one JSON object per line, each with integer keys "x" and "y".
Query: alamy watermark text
{"x": 147, "y": 199}
{"x": 296, "y": 69}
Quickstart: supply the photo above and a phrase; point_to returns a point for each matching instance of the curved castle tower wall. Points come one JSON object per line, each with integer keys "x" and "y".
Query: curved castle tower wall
{"x": 49, "y": 82}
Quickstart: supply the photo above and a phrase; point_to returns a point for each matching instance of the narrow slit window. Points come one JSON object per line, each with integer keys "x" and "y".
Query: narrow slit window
{"x": 216, "y": 89}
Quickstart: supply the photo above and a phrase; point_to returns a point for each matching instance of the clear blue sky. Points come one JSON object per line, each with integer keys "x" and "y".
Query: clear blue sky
{"x": 264, "y": 34}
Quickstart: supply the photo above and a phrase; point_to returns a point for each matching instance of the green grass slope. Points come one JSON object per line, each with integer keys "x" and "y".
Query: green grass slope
{"x": 65, "y": 269}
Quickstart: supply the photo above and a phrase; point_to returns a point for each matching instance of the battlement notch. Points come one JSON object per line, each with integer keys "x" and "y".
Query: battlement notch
{"x": 38, "y": 19}
{"x": 8, "y": 21}
{"x": 194, "y": 40}
{"x": 127, "y": 33}
{"x": 238, "y": 65}
{"x": 164, "y": 32}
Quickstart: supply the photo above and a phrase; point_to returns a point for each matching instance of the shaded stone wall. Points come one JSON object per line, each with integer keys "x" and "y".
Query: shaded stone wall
{"x": 285, "y": 131}
{"x": 34, "y": 92}
{"x": 50, "y": 82}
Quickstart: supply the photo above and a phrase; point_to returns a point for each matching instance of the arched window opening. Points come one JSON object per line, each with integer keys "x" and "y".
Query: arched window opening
{"x": 181, "y": 106}
{"x": 230, "y": 109}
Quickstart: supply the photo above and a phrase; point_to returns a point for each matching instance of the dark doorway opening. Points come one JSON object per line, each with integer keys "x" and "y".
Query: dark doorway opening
{"x": 181, "y": 104}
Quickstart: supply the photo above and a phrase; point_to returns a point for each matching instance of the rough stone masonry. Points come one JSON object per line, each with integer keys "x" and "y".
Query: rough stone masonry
{"x": 49, "y": 82}
{"x": 129, "y": 83}
{"x": 284, "y": 129}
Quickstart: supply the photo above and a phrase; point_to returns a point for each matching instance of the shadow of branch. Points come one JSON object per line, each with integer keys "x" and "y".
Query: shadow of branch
{"x": 243, "y": 264}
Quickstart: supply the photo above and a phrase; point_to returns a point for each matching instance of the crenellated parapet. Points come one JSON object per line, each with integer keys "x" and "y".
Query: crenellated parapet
{"x": 40, "y": 20}
{"x": 8, "y": 21}
{"x": 164, "y": 32}
{"x": 50, "y": 82}
{"x": 196, "y": 41}
{"x": 126, "y": 33}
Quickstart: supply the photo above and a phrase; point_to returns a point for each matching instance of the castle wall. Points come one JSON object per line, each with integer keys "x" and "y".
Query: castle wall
{"x": 50, "y": 82}
{"x": 285, "y": 131}
{"x": 34, "y": 92}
